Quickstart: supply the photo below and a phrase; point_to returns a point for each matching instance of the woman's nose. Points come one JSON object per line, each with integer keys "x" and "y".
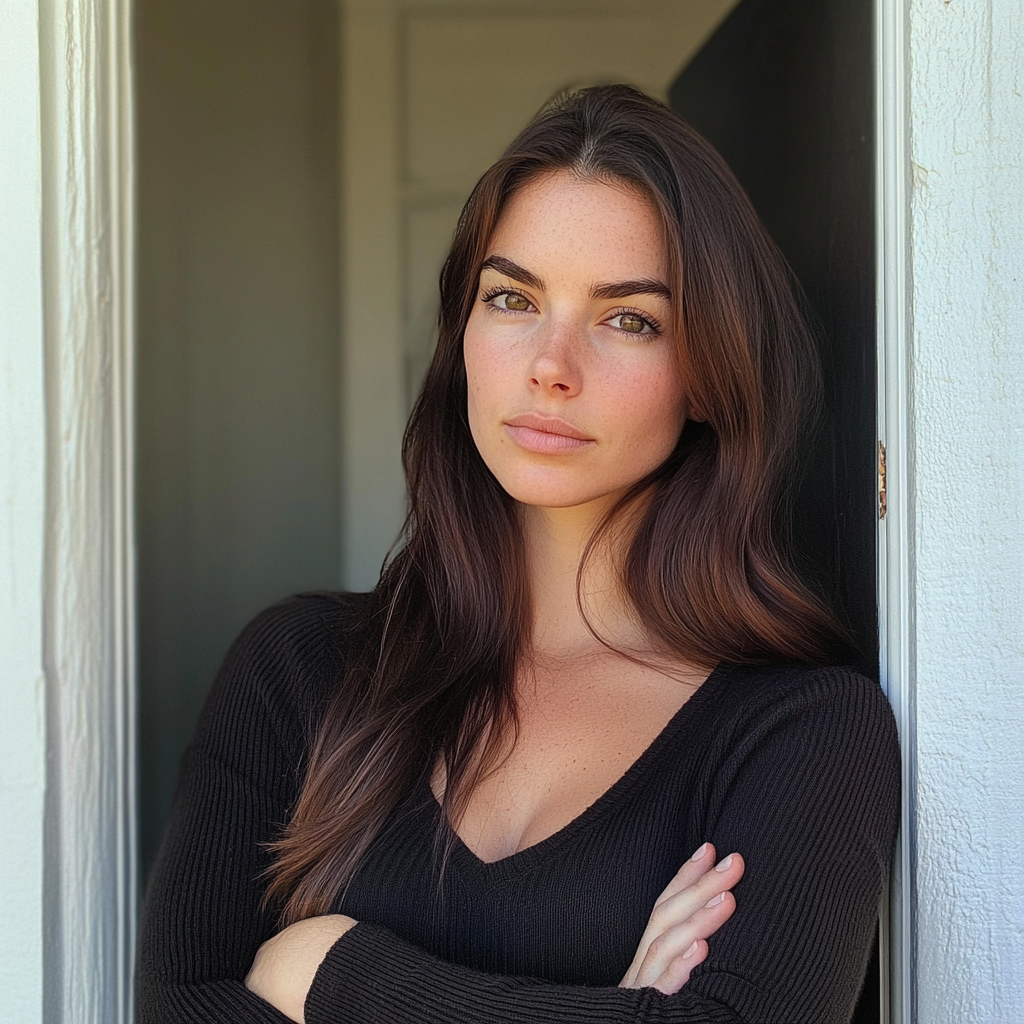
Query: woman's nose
{"x": 555, "y": 366}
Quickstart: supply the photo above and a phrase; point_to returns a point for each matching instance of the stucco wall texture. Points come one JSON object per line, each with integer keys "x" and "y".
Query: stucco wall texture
{"x": 967, "y": 422}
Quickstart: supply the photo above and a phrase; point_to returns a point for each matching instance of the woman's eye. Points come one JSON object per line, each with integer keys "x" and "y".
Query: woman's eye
{"x": 632, "y": 323}
{"x": 511, "y": 300}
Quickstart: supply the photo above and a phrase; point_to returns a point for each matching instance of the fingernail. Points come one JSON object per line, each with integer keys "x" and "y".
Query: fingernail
{"x": 700, "y": 853}
{"x": 724, "y": 864}
{"x": 715, "y": 900}
{"x": 690, "y": 951}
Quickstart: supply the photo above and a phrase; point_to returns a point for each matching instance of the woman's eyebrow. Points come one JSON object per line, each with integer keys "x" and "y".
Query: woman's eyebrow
{"x": 510, "y": 269}
{"x": 613, "y": 290}
{"x": 623, "y": 289}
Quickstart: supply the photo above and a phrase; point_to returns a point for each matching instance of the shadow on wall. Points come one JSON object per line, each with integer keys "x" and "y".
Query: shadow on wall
{"x": 237, "y": 364}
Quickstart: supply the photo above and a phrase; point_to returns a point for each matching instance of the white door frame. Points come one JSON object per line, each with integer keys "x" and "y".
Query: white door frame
{"x": 89, "y": 631}
{"x": 89, "y": 596}
{"x": 894, "y": 538}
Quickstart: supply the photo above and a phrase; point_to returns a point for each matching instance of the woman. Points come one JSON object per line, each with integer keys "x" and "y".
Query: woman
{"x": 458, "y": 798}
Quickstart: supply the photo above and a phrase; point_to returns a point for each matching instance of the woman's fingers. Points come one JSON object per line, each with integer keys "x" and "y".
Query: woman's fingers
{"x": 676, "y": 942}
{"x": 678, "y": 906}
{"x": 689, "y": 874}
{"x": 701, "y": 861}
{"x": 694, "y": 905}
{"x": 678, "y": 972}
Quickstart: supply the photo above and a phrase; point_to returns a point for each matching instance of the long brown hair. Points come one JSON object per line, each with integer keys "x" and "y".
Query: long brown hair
{"x": 433, "y": 666}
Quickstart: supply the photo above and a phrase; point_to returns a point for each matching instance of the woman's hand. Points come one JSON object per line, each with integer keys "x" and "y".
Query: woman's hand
{"x": 694, "y": 905}
{"x": 285, "y": 965}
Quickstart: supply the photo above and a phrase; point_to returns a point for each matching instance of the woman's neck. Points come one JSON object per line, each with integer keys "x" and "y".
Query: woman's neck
{"x": 556, "y": 539}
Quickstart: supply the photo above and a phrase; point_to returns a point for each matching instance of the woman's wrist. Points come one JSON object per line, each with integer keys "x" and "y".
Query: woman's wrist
{"x": 286, "y": 964}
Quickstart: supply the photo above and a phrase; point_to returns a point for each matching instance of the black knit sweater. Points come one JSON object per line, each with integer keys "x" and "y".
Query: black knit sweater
{"x": 797, "y": 769}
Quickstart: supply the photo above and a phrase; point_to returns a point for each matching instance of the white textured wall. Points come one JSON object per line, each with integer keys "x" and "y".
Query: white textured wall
{"x": 22, "y": 434}
{"x": 967, "y": 238}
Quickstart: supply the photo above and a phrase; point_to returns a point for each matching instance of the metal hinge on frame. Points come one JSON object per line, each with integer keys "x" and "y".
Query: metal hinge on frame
{"x": 881, "y": 480}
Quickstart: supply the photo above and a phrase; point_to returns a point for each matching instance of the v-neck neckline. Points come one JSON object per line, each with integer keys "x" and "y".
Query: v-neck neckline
{"x": 512, "y": 865}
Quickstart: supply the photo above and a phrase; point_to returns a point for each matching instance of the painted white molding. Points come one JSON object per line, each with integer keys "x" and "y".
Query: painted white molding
{"x": 90, "y": 875}
{"x": 895, "y": 538}
{"x": 22, "y": 500}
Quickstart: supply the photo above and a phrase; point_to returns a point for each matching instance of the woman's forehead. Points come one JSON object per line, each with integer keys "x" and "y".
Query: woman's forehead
{"x": 581, "y": 226}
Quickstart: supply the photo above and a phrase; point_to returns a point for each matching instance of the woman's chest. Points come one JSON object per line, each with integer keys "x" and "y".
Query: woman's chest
{"x": 573, "y": 744}
{"x": 570, "y": 908}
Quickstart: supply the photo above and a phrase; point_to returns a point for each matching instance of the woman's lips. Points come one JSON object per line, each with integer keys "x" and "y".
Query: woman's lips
{"x": 545, "y": 434}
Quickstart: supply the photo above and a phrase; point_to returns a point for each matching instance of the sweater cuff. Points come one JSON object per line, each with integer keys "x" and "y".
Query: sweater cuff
{"x": 349, "y": 986}
{"x": 370, "y": 975}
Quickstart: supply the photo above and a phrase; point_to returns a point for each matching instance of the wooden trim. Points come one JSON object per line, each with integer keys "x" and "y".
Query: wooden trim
{"x": 895, "y": 530}
{"x": 89, "y": 644}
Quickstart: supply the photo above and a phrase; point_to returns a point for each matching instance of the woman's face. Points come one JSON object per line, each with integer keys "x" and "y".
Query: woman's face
{"x": 574, "y": 388}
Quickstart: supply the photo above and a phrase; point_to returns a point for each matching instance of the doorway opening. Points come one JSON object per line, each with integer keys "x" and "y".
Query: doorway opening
{"x": 301, "y": 169}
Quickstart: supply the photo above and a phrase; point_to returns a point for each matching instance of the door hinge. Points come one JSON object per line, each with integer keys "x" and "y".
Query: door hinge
{"x": 881, "y": 481}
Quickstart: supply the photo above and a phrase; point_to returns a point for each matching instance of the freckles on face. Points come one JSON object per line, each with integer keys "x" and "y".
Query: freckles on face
{"x": 574, "y": 392}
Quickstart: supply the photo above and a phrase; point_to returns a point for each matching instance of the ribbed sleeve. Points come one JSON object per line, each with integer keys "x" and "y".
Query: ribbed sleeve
{"x": 405, "y": 986}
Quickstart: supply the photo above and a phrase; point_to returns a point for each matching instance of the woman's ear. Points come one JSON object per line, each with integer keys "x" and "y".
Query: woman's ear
{"x": 695, "y": 401}
{"x": 693, "y": 408}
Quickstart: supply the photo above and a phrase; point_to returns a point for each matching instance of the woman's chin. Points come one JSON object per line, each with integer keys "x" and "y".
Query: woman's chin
{"x": 590, "y": 500}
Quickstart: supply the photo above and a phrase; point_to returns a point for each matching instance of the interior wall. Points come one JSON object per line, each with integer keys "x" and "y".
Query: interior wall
{"x": 238, "y": 451}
